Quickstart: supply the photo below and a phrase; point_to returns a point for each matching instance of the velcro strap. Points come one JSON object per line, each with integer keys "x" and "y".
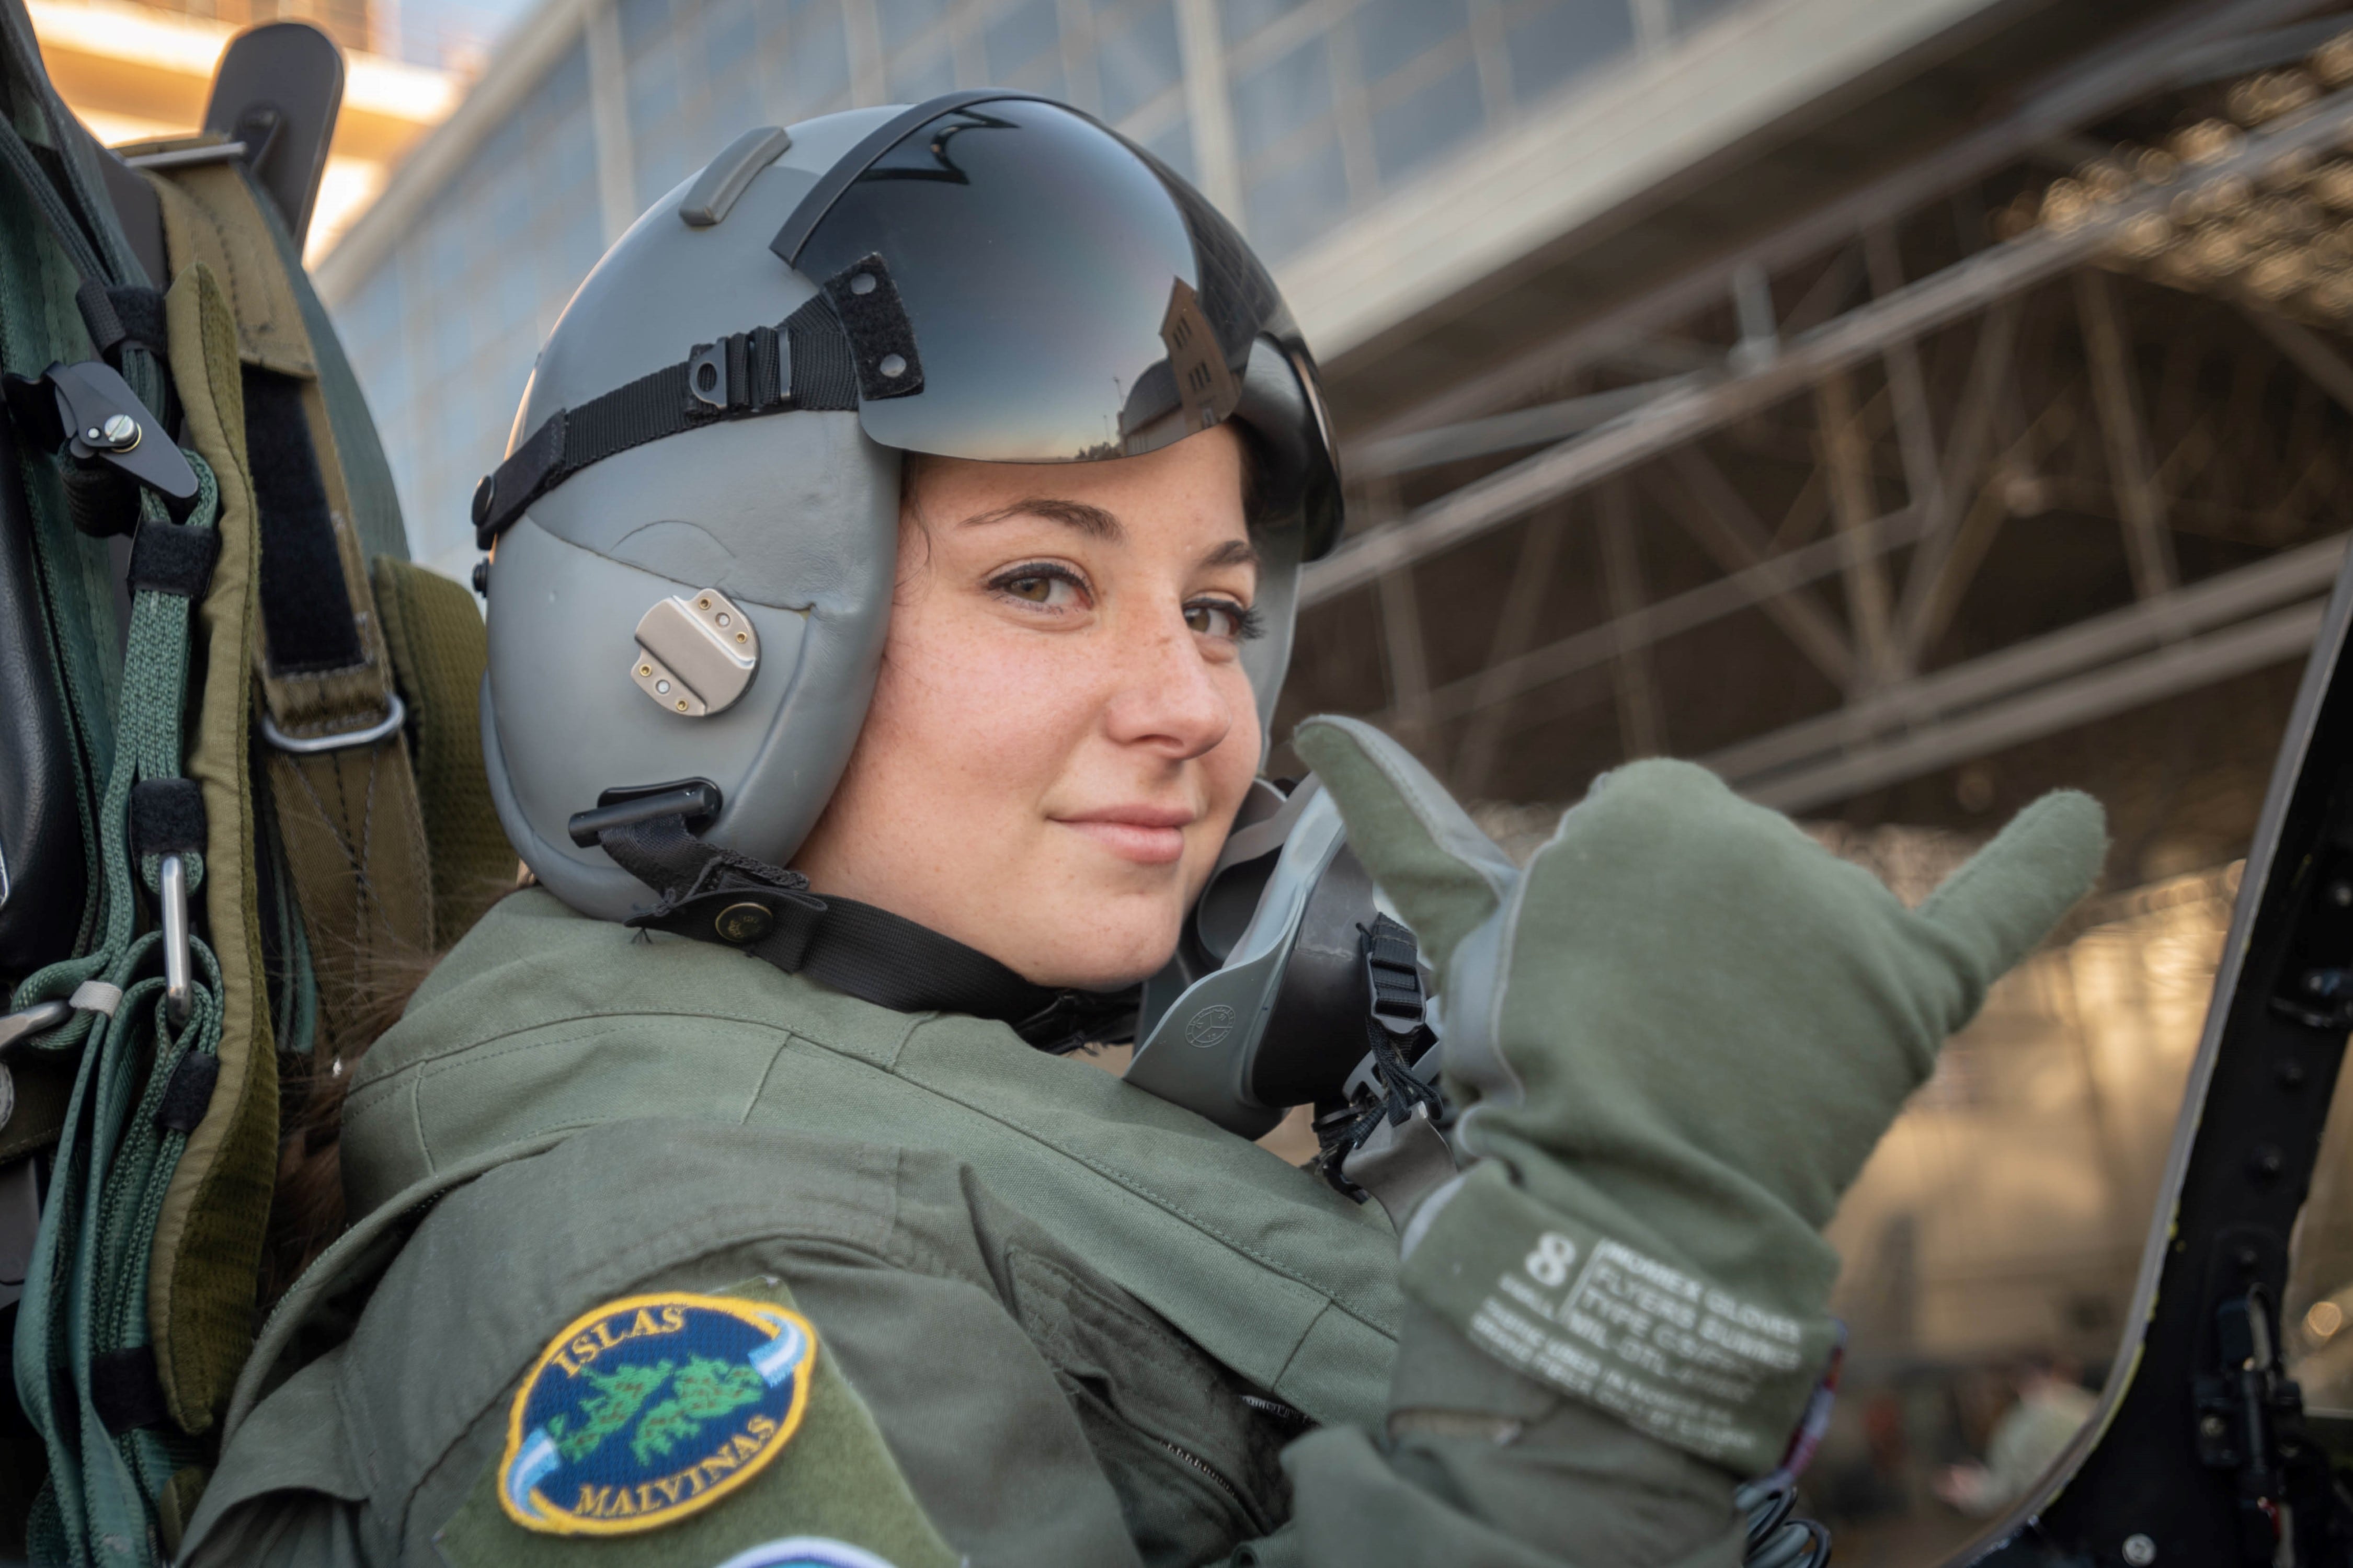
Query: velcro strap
{"x": 189, "y": 1093}
{"x": 167, "y": 816}
{"x": 140, "y": 309}
{"x": 117, "y": 315}
{"x": 804, "y": 363}
{"x": 125, "y": 1391}
{"x": 882, "y": 339}
{"x": 307, "y": 621}
{"x": 98, "y": 314}
{"x": 170, "y": 558}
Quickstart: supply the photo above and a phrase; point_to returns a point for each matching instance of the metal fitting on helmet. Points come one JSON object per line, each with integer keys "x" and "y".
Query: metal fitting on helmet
{"x": 696, "y": 524}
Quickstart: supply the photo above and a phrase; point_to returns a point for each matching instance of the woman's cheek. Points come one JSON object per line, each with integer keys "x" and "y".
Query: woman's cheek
{"x": 1004, "y": 697}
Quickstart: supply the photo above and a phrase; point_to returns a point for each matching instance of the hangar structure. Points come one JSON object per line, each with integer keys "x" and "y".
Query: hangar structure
{"x": 1982, "y": 423}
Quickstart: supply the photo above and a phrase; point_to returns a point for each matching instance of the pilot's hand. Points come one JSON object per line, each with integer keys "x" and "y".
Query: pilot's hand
{"x": 1679, "y": 1034}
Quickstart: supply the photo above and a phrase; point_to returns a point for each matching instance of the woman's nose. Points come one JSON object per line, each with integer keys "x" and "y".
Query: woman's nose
{"x": 1166, "y": 695}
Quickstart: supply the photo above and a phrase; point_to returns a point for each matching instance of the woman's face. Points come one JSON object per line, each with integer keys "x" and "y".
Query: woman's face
{"x": 1061, "y": 731}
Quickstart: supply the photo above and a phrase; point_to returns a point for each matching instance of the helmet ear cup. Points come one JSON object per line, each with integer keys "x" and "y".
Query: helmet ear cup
{"x": 795, "y": 522}
{"x": 568, "y": 719}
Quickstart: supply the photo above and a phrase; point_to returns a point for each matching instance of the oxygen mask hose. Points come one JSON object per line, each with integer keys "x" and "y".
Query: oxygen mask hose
{"x": 1674, "y": 1037}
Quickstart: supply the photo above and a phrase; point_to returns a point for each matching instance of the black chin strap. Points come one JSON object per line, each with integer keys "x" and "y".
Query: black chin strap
{"x": 719, "y": 896}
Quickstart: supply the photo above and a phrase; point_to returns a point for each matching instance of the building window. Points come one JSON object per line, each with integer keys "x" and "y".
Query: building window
{"x": 1297, "y": 202}
{"x": 1285, "y": 97}
{"x": 1244, "y": 19}
{"x": 1552, "y": 43}
{"x": 902, "y": 21}
{"x": 805, "y": 50}
{"x": 1425, "y": 119}
{"x": 1023, "y": 47}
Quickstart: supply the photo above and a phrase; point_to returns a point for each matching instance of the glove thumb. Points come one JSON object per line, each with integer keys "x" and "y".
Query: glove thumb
{"x": 1445, "y": 875}
{"x": 2014, "y": 889}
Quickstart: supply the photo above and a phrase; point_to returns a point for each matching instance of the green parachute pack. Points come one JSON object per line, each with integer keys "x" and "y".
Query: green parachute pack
{"x": 242, "y": 801}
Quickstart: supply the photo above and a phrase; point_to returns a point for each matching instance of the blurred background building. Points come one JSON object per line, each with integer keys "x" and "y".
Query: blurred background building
{"x": 1904, "y": 406}
{"x": 136, "y": 71}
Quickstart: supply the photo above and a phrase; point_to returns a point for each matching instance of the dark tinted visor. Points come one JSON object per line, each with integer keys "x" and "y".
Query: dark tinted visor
{"x": 1069, "y": 297}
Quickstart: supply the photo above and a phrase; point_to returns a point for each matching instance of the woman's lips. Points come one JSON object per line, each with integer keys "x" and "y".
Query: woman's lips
{"x": 1149, "y": 836}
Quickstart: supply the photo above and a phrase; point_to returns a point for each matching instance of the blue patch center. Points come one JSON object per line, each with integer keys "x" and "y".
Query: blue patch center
{"x": 650, "y": 1406}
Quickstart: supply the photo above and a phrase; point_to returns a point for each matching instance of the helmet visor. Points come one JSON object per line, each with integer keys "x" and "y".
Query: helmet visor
{"x": 1069, "y": 297}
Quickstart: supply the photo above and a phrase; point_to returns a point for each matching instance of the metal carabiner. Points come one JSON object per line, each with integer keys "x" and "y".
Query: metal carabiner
{"x": 179, "y": 971}
{"x": 38, "y": 1018}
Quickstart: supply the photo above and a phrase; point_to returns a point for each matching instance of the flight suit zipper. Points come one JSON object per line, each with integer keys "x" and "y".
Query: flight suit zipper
{"x": 1188, "y": 1456}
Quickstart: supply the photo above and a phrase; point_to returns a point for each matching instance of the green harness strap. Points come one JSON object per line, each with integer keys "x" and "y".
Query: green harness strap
{"x": 84, "y": 1312}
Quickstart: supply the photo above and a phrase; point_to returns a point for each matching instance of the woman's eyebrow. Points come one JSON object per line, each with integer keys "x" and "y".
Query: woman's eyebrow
{"x": 1232, "y": 552}
{"x": 1091, "y": 521}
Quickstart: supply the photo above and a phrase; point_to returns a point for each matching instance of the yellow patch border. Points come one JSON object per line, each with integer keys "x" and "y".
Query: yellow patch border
{"x": 556, "y": 1520}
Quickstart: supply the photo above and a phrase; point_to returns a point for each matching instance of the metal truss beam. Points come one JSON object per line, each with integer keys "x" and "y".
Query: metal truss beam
{"x": 1744, "y": 590}
{"x": 1864, "y": 333}
{"x": 2174, "y": 642}
{"x": 2142, "y": 63}
{"x": 1538, "y": 427}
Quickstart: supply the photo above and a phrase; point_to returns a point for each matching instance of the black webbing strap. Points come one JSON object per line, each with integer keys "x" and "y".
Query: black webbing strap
{"x": 125, "y": 1391}
{"x": 1397, "y": 1031}
{"x": 804, "y": 361}
{"x": 718, "y": 896}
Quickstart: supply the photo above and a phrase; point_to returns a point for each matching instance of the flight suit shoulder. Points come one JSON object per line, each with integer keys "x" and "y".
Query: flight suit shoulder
{"x": 687, "y": 1240}
{"x": 695, "y": 1429}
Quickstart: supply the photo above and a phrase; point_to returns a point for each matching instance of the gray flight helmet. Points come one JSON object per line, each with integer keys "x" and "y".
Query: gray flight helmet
{"x": 687, "y": 587}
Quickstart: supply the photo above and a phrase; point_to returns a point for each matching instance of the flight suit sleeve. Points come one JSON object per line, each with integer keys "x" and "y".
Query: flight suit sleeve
{"x": 1480, "y": 1466}
{"x": 973, "y": 1393}
{"x": 832, "y": 1480}
{"x": 931, "y": 1431}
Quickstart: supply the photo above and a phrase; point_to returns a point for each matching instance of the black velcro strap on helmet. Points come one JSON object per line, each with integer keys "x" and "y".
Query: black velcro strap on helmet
{"x": 803, "y": 362}
{"x": 880, "y": 337}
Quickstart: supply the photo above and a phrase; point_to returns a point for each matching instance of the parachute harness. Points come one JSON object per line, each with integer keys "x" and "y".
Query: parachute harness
{"x": 87, "y": 1377}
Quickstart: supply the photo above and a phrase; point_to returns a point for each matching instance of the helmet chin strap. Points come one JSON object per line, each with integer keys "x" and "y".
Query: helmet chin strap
{"x": 718, "y": 896}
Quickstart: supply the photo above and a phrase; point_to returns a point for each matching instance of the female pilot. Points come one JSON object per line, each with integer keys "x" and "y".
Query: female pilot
{"x": 894, "y": 570}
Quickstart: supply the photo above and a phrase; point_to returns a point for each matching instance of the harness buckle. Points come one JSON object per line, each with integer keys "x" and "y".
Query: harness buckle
{"x": 395, "y": 714}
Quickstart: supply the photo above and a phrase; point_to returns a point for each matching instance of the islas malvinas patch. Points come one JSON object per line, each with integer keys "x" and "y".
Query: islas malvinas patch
{"x": 651, "y": 1407}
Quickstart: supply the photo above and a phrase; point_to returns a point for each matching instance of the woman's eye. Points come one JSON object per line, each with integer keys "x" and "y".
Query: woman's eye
{"x": 1215, "y": 619}
{"x": 1050, "y": 590}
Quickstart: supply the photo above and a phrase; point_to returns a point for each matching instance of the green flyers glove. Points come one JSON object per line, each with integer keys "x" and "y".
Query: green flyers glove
{"x": 1678, "y": 1035}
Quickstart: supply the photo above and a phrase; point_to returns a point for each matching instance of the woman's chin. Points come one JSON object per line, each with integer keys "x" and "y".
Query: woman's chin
{"x": 1102, "y": 956}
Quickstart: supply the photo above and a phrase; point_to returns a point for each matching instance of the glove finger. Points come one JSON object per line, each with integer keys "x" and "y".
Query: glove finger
{"x": 1443, "y": 874}
{"x": 2013, "y": 891}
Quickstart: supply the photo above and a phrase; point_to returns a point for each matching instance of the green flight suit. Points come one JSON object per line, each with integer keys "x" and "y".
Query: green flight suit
{"x": 1059, "y": 1320}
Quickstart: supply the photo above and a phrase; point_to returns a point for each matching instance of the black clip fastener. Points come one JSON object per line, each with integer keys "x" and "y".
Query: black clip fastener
{"x": 1393, "y": 978}
{"x": 695, "y": 801}
{"x": 91, "y": 411}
